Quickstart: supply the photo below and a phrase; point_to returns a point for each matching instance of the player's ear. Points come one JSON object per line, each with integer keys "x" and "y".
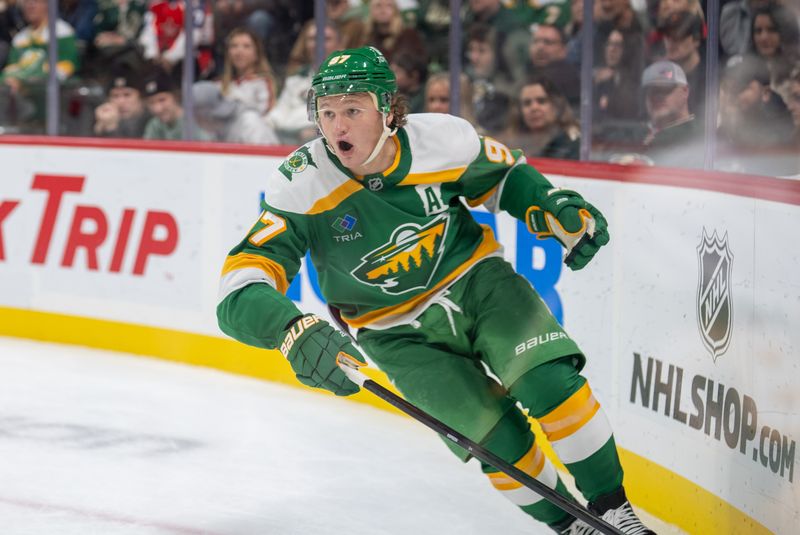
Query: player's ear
{"x": 389, "y": 119}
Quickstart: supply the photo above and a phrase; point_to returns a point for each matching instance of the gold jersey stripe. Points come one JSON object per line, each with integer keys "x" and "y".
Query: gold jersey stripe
{"x": 571, "y": 415}
{"x": 334, "y": 198}
{"x": 433, "y": 177}
{"x": 483, "y": 198}
{"x": 488, "y": 245}
{"x": 395, "y": 163}
{"x": 270, "y": 267}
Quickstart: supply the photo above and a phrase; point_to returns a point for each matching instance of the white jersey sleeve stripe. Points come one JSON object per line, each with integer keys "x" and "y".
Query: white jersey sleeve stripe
{"x": 240, "y": 278}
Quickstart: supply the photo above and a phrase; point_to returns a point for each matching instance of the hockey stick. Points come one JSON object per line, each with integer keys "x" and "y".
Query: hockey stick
{"x": 477, "y": 451}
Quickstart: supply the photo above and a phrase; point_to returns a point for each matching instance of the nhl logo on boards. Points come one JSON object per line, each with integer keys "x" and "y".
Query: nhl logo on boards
{"x": 714, "y": 301}
{"x": 375, "y": 184}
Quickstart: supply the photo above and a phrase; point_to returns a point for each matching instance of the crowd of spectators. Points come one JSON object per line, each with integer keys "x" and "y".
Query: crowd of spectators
{"x": 120, "y": 66}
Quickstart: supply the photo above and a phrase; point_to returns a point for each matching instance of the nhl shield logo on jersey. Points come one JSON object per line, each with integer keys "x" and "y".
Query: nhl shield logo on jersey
{"x": 714, "y": 301}
{"x": 297, "y": 162}
{"x": 407, "y": 261}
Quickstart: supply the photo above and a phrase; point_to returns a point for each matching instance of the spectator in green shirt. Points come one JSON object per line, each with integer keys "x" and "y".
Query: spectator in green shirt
{"x": 22, "y": 81}
{"x": 164, "y": 104}
{"x": 27, "y": 61}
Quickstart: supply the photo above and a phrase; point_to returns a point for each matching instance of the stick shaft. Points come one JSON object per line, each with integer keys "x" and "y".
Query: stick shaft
{"x": 482, "y": 454}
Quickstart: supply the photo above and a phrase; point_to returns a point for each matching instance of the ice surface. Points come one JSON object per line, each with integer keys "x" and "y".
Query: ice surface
{"x": 95, "y": 442}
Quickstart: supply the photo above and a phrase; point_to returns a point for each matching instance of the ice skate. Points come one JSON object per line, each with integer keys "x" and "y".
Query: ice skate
{"x": 616, "y": 510}
{"x": 578, "y": 527}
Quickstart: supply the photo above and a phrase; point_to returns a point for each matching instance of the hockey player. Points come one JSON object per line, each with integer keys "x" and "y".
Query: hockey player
{"x": 378, "y": 202}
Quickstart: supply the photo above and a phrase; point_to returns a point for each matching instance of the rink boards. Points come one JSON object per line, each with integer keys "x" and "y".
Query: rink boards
{"x": 688, "y": 317}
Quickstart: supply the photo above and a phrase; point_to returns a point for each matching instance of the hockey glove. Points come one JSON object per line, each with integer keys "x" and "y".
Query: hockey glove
{"x": 576, "y": 224}
{"x": 311, "y": 346}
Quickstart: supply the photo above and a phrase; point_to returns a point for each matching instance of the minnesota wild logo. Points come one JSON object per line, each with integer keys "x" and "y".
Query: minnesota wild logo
{"x": 407, "y": 261}
{"x": 296, "y": 162}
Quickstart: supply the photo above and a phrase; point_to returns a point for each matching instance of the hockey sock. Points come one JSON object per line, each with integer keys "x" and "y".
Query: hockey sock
{"x": 575, "y": 425}
{"x": 513, "y": 441}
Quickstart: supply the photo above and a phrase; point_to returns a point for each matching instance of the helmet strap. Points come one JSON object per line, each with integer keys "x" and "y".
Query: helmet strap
{"x": 386, "y": 134}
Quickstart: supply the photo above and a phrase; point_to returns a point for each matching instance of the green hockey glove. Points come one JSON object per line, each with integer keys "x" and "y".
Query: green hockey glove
{"x": 576, "y": 224}
{"x": 311, "y": 345}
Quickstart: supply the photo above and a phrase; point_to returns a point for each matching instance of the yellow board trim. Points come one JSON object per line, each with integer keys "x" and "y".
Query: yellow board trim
{"x": 222, "y": 354}
{"x": 654, "y": 488}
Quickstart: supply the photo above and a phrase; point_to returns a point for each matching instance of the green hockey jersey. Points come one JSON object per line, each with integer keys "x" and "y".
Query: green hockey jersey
{"x": 384, "y": 245}
{"x": 27, "y": 60}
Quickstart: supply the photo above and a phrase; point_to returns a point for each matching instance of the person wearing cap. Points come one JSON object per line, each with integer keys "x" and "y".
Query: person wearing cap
{"x": 379, "y": 203}
{"x": 164, "y": 104}
{"x": 675, "y": 136}
{"x": 123, "y": 115}
{"x": 227, "y": 120}
{"x": 753, "y": 115}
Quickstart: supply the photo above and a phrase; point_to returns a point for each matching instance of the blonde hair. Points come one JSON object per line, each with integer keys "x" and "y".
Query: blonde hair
{"x": 693, "y": 7}
{"x": 262, "y": 66}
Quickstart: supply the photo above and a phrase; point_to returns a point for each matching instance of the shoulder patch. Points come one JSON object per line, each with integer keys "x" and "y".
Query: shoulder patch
{"x": 307, "y": 182}
{"x": 297, "y": 162}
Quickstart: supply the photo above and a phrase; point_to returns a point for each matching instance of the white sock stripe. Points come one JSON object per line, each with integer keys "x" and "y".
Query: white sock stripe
{"x": 585, "y": 441}
{"x": 524, "y": 496}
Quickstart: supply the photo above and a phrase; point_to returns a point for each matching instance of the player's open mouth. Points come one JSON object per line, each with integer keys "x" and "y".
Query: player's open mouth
{"x": 344, "y": 146}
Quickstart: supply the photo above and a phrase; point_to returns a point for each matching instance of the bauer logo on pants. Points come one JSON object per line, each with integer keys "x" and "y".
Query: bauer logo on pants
{"x": 714, "y": 302}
